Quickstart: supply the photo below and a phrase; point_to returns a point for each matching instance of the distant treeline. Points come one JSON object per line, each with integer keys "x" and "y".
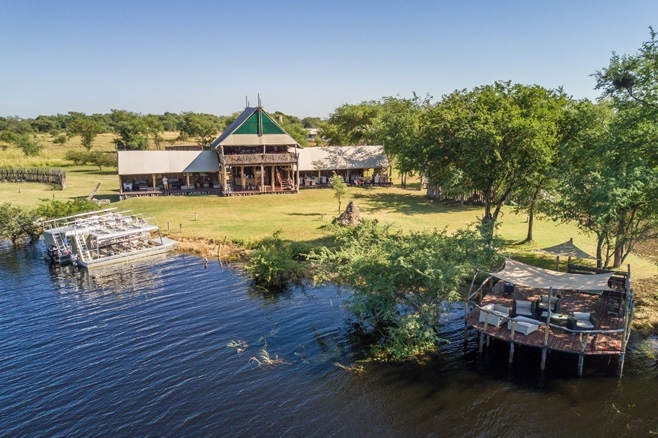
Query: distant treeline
{"x": 133, "y": 130}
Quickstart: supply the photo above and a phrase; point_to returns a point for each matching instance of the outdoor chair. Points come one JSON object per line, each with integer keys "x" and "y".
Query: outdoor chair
{"x": 523, "y": 308}
{"x": 494, "y": 314}
{"x": 581, "y": 321}
{"x": 542, "y": 306}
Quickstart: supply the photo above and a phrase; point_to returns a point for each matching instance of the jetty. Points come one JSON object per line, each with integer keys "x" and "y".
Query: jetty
{"x": 584, "y": 311}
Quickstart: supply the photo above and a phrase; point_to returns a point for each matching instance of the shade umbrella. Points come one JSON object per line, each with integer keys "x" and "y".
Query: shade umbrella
{"x": 567, "y": 249}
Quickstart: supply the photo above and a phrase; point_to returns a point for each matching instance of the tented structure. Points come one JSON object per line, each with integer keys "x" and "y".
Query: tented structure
{"x": 568, "y": 249}
{"x": 530, "y": 276}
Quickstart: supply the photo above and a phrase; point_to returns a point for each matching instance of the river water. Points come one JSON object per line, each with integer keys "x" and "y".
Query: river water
{"x": 165, "y": 348}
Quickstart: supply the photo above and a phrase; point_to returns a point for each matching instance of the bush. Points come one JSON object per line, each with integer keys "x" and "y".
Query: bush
{"x": 79, "y": 158}
{"x": 103, "y": 159}
{"x": 274, "y": 263}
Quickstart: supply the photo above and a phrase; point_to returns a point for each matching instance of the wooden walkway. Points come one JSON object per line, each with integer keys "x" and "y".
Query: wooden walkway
{"x": 559, "y": 339}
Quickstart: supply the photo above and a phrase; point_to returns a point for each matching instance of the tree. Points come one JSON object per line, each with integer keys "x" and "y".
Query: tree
{"x": 16, "y": 224}
{"x": 293, "y": 126}
{"x": 339, "y": 187}
{"x": 103, "y": 159}
{"x": 87, "y": 129}
{"x": 202, "y": 127}
{"x": 499, "y": 136}
{"x": 29, "y": 145}
{"x": 352, "y": 124}
{"x": 608, "y": 187}
{"x": 631, "y": 79}
{"x": 398, "y": 130}
{"x": 154, "y": 127}
{"x": 402, "y": 282}
{"x": 131, "y": 130}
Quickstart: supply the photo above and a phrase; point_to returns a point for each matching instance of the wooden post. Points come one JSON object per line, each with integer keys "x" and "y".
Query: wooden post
{"x": 581, "y": 360}
{"x": 465, "y": 321}
{"x": 262, "y": 178}
{"x": 544, "y": 351}
{"x": 180, "y": 228}
{"x": 511, "y": 352}
{"x": 548, "y": 317}
{"x": 481, "y": 347}
{"x": 167, "y": 225}
{"x": 196, "y": 218}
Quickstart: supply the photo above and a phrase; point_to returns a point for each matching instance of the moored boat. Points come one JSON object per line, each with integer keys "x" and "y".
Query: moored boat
{"x": 102, "y": 238}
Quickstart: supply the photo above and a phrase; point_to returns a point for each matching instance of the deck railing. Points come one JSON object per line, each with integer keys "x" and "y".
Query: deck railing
{"x": 255, "y": 159}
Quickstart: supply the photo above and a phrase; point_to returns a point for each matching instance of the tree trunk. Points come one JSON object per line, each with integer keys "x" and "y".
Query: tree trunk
{"x": 620, "y": 241}
{"x": 531, "y": 219}
{"x": 599, "y": 251}
{"x": 487, "y": 207}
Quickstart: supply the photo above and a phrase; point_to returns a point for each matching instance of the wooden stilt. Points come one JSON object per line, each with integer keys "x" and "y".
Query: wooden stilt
{"x": 544, "y": 351}
{"x": 620, "y": 364}
{"x": 511, "y": 352}
{"x": 481, "y": 347}
{"x": 581, "y": 360}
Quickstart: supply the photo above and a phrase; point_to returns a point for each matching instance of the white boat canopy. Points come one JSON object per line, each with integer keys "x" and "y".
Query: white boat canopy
{"x": 530, "y": 276}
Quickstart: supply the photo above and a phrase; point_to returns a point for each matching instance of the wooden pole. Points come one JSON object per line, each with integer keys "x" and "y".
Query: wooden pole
{"x": 481, "y": 347}
{"x": 581, "y": 361}
{"x": 544, "y": 351}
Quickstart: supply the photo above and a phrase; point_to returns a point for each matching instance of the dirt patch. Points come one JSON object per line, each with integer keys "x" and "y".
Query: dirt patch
{"x": 227, "y": 252}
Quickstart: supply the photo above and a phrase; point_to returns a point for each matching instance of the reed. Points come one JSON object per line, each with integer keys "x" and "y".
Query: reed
{"x": 264, "y": 359}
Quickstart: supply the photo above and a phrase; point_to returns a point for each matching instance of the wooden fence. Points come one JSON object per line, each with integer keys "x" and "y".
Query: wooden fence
{"x": 34, "y": 174}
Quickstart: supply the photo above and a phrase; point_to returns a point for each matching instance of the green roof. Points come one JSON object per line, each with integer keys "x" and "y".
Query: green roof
{"x": 259, "y": 123}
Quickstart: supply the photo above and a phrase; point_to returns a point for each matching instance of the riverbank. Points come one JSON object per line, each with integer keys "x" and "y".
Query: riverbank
{"x": 202, "y": 223}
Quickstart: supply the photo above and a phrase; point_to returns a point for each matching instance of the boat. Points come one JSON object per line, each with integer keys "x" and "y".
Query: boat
{"x": 102, "y": 238}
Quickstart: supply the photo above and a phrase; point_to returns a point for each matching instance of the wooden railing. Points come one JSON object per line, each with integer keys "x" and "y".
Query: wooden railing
{"x": 253, "y": 159}
{"x": 34, "y": 174}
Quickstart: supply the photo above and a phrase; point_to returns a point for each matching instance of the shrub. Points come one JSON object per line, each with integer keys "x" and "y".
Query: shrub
{"x": 79, "y": 158}
{"x": 273, "y": 264}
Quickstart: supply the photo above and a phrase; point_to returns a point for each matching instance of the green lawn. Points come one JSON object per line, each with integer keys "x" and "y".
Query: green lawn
{"x": 301, "y": 216}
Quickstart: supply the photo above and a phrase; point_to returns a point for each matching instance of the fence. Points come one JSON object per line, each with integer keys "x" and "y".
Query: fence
{"x": 34, "y": 174}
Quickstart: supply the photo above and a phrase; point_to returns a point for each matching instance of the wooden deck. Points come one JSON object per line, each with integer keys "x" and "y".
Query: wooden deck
{"x": 200, "y": 192}
{"x": 592, "y": 342}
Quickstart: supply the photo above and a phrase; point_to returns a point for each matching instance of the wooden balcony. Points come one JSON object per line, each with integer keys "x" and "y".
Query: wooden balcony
{"x": 257, "y": 159}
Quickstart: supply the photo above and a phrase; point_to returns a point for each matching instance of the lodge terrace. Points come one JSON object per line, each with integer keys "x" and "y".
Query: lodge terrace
{"x": 583, "y": 311}
{"x": 253, "y": 155}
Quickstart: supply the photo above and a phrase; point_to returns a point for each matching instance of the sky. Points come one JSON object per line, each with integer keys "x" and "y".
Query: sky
{"x": 304, "y": 58}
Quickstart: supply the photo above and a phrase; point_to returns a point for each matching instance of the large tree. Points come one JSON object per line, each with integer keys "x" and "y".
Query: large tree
{"x": 130, "y": 128}
{"x": 499, "y": 136}
{"x": 352, "y": 124}
{"x": 87, "y": 128}
{"x": 202, "y": 127}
